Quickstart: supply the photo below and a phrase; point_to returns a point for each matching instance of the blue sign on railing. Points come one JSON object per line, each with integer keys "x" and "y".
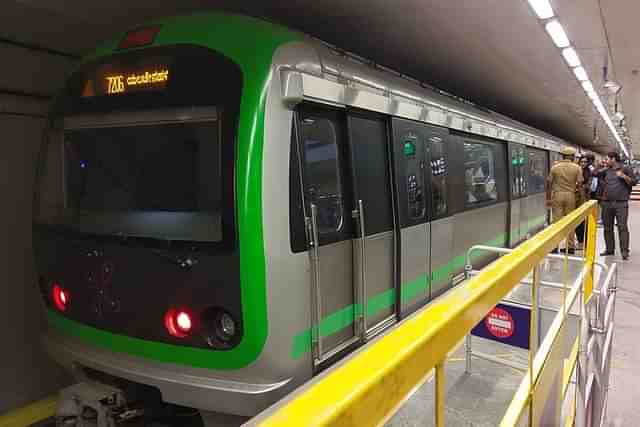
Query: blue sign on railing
{"x": 508, "y": 324}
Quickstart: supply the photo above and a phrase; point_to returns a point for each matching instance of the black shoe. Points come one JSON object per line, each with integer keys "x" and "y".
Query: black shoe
{"x": 555, "y": 251}
{"x": 606, "y": 253}
{"x": 625, "y": 256}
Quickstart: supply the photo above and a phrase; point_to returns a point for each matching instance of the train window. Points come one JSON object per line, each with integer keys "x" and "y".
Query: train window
{"x": 323, "y": 186}
{"x": 538, "y": 167}
{"x": 480, "y": 174}
{"x": 518, "y": 172}
{"x": 438, "y": 179}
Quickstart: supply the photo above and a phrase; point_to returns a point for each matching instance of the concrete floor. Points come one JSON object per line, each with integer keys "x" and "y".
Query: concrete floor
{"x": 624, "y": 407}
{"x": 482, "y": 397}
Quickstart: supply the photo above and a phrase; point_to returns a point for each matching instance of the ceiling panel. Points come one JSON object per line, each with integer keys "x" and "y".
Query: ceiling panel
{"x": 493, "y": 52}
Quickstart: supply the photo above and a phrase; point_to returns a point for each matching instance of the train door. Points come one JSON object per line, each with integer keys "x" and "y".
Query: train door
{"x": 441, "y": 226}
{"x": 410, "y": 156}
{"x": 373, "y": 210}
{"x": 517, "y": 215}
{"x": 328, "y": 211}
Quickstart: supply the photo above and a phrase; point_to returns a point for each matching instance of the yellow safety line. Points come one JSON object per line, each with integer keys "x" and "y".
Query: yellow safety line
{"x": 30, "y": 414}
{"x": 368, "y": 387}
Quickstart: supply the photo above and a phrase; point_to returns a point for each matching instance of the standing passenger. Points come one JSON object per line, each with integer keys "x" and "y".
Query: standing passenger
{"x": 565, "y": 178}
{"x": 617, "y": 181}
{"x": 586, "y": 164}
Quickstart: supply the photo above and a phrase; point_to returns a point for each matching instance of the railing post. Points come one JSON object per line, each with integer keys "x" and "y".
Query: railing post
{"x": 590, "y": 253}
{"x": 440, "y": 394}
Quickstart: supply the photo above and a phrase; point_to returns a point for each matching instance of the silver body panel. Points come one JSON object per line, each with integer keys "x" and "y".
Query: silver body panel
{"x": 378, "y": 274}
{"x": 515, "y": 235}
{"x": 441, "y": 255}
{"x": 336, "y": 289}
{"x": 467, "y": 231}
{"x": 414, "y": 266}
{"x": 180, "y": 385}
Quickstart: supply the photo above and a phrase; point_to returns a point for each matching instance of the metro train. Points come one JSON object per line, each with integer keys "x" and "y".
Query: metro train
{"x": 225, "y": 207}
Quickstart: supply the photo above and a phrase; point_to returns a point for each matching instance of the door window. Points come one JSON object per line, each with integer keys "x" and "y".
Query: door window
{"x": 480, "y": 174}
{"x": 323, "y": 183}
{"x": 537, "y": 170}
{"x": 519, "y": 179}
{"x": 438, "y": 178}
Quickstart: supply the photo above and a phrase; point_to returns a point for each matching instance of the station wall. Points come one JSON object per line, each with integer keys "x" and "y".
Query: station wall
{"x": 27, "y": 77}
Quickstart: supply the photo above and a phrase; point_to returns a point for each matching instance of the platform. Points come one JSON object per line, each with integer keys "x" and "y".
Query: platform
{"x": 482, "y": 397}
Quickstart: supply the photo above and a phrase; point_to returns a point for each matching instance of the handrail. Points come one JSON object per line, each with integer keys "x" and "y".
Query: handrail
{"x": 368, "y": 388}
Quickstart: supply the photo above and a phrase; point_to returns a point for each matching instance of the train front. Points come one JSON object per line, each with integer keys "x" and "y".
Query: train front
{"x": 147, "y": 227}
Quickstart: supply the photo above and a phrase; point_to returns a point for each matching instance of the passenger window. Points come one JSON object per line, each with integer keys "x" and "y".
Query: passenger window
{"x": 439, "y": 179}
{"x": 480, "y": 175}
{"x": 323, "y": 186}
{"x": 537, "y": 170}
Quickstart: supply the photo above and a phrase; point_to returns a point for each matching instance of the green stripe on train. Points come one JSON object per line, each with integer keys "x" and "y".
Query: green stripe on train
{"x": 343, "y": 318}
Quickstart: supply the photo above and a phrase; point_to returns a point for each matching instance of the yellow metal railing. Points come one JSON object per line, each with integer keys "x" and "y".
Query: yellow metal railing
{"x": 367, "y": 389}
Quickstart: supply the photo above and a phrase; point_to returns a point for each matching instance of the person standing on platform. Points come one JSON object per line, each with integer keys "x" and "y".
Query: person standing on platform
{"x": 617, "y": 181}
{"x": 564, "y": 181}
{"x": 586, "y": 193}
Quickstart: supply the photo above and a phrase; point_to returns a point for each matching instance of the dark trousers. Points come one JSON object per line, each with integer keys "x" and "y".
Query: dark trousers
{"x": 580, "y": 230}
{"x": 618, "y": 212}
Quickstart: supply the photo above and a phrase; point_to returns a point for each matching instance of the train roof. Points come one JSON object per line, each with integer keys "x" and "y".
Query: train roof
{"x": 338, "y": 66}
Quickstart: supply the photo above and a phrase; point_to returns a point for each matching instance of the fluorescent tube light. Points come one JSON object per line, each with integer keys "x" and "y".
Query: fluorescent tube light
{"x": 581, "y": 74}
{"x": 588, "y": 87}
{"x": 542, "y": 8}
{"x": 571, "y": 57}
{"x": 557, "y": 33}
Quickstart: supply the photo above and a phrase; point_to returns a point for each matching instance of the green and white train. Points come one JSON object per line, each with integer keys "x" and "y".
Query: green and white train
{"x": 225, "y": 207}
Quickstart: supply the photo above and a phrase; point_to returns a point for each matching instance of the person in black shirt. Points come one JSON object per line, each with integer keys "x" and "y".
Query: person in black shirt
{"x": 586, "y": 163}
{"x": 617, "y": 181}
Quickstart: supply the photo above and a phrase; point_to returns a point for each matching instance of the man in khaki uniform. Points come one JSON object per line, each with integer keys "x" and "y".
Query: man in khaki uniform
{"x": 565, "y": 178}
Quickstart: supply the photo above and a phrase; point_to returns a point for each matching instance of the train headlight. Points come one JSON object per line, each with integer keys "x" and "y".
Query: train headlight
{"x": 225, "y": 327}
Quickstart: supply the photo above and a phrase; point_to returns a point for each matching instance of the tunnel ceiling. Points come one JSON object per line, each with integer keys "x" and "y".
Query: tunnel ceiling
{"x": 492, "y": 52}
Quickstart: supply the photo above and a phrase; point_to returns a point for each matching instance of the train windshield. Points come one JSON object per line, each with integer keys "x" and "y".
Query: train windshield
{"x": 153, "y": 162}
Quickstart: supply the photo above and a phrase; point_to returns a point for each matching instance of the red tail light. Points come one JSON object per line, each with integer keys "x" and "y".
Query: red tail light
{"x": 179, "y": 323}
{"x": 60, "y": 297}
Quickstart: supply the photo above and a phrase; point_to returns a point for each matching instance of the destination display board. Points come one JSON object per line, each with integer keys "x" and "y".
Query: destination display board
{"x": 118, "y": 79}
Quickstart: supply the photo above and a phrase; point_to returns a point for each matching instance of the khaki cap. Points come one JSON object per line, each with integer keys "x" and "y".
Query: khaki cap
{"x": 568, "y": 151}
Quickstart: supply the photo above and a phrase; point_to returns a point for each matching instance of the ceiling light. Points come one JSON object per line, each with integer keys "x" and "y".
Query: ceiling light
{"x": 542, "y": 8}
{"x": 557, "y": 33}
{"x": 580, "y": 73}
{"x": 588, "y": 87}
{"x": 571, "y": 57}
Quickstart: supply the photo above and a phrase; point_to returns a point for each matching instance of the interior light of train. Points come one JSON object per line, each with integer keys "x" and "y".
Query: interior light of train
{"x": 60, "y": 296}
{"x": 557, "y": 34}
{"x": 542, "y": 8}
{"x": 581, "y": 74}
{"x": 571, "y": 57}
